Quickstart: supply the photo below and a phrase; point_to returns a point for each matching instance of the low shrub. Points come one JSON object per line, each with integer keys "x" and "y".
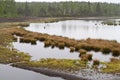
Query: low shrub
{"x": 96, "y": 62}
{"x": 72, "y": 49}
{"x": 116, "y": 52}
{"x": 89, "y": 56}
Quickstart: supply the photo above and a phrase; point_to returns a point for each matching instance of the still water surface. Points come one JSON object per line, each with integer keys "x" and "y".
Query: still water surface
{"x": 78, "y": 29}
{"x": 10, "y": 73}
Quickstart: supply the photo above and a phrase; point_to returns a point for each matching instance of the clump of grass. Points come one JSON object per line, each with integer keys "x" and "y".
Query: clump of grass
{"x": 96, "y": 48}
{"x": 52, "y": 44}
{"x": 18, "y": 33}
{"x": 42, "y": 39}
{"x": 72, "y": 49}
{"x": 106, "y": 50}
{"x": 89, "y": 56}
{"x": 86, "y": 46}
{"x": 47, "y": 43}
{"x": 61, "y": 45}
{"x": 96, "y": 62}
{"x": 116, "y": 52}
{"x": 84, "y": 58}
{"x": 105, "y": 46}
{"x": 82, "y": 52}
{"x": 28, "y": 40}
{"x": 77, "y": 47}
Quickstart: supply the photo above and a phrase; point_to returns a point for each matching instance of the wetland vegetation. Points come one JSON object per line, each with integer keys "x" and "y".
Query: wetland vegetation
{"x": 82, "y": 46}
{"x": 16, "y": 19}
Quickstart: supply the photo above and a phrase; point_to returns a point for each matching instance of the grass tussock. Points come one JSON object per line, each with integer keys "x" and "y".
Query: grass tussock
{"x": 72, "y": 49}
{"x": 82, "y": 52}
{"x": 86, "y": 57}
{"x": 116, "y": 52}
{"x": 8, "y": 56}
{"x": 96, "y": 62}
{"x": 105, "y": 46}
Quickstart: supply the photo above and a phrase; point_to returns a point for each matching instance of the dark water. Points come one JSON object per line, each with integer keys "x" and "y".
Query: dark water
{"x": 78, "y": 29}
{"x": 10, "y": 73}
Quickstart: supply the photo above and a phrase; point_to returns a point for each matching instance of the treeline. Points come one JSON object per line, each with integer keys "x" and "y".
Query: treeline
{"x": 10, "y": 8}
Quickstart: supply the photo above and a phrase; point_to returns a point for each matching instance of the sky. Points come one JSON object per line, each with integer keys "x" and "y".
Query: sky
{"x": 109, "y": 1}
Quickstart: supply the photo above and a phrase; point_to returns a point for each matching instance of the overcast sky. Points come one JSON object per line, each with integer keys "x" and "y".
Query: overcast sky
{"x": 110, "y": 1}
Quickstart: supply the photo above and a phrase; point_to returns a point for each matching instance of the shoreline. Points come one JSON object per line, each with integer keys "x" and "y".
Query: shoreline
{"x": 53, "y": 73}
{"x": 24, "y": 19}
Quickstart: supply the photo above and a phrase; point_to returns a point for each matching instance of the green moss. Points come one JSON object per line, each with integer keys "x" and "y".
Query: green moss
{"x": 112, "y": 67}
{"x": 8, "y": 55}
{"x": 57, "y": 64}
{"x": 11, "y": 56}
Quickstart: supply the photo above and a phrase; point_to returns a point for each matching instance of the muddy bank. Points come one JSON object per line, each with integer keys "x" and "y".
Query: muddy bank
{"x": 50, "y": 72}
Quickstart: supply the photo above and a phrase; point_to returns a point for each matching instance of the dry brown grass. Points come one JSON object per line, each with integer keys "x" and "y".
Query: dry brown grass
{"x": 105, "y": 46}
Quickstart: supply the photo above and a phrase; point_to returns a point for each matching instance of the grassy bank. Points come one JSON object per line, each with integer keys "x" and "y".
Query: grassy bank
{"x": 7, "y": 54}
{"x": 66, "y": 65}
{"x": 112, "y": 67}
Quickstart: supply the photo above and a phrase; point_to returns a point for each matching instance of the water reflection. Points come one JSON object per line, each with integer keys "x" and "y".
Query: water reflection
{"x": 38, "y": 51}
{"x": 78, "y": 29}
